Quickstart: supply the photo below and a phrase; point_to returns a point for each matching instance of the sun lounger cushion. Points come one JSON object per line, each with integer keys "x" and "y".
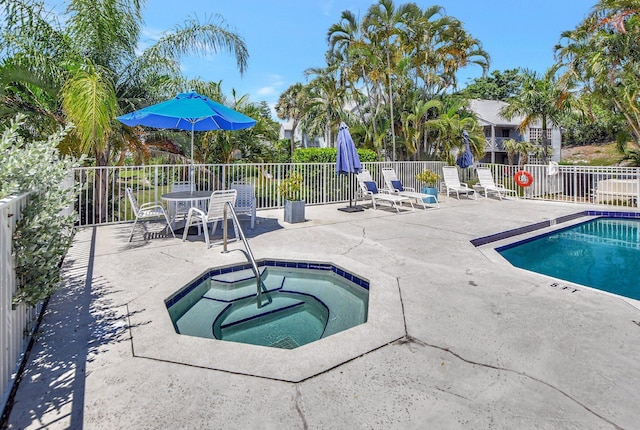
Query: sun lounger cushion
{"x": 371, "y": 186}
{"x": 397, "y": 185}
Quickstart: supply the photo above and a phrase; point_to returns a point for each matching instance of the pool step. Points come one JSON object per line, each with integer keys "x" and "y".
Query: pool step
{"x": 250, "y": 311}
{"x": 198, "y": 320}
{"x": 224, "y": 288}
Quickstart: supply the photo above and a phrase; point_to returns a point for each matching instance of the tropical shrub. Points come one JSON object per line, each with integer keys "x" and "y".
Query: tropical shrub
{"x": 43, "y": 235}
{"x": 328, "y": 155}
{"x": 290, "y": 186}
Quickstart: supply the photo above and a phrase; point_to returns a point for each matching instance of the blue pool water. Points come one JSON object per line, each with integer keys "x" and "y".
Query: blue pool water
{"x": 304, "y": 305}
{"x": 602, "y": 253}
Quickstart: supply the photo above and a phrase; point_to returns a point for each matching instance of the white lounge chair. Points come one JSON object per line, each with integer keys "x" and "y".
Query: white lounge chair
{"x": 146, "y": 211}
{"x": 214, "y": 214}
{"x": 452, "y": 183}
{"x": 396, "y": 187}
{"x": 246, "y": 200}
{"x": 369, "y": 188}
{"x": 485, "y": 177}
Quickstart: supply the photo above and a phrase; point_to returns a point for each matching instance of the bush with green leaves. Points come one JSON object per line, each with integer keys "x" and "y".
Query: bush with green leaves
{"x": 328, "y": 155}
{"x": 43, "y": 235}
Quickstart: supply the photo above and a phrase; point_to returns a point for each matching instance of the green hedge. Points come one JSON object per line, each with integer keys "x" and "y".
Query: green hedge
{"x": 328, "y": 155}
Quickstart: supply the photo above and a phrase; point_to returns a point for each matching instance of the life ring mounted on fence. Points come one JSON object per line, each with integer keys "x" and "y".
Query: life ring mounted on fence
{"x": 523, "y": 178}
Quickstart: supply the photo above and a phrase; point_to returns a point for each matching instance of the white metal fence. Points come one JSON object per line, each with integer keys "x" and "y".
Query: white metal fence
{"x": 15, "y": 322}
{"x": 103, "y": 189}
{"x": 613, "y": 186}
{"x": 103, "y": 200}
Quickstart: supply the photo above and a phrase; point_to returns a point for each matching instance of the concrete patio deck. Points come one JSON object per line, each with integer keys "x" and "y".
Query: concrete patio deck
{"x": 467, "y": 341}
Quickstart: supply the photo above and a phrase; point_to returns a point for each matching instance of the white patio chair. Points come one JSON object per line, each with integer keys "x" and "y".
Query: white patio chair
{"x": 181, "y": 208}
{"x": 369, "y": 188}
{"x": 146, "y": 211}
{"x": 395, "y": 186}
{"x": 214, "y": 214}
{"x": 485, "y": 177}
{"x": 246, "y": 200}
{"x": 452, "y": 183}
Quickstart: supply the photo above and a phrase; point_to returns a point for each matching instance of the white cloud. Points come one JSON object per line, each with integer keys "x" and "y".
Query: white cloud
{"x": 266, "y": 91}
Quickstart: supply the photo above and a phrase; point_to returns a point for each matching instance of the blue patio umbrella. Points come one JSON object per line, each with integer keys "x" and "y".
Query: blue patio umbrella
{"x": 347, "y": 161}
{"x": 466, "y": 159}
{"x": 188, "y": 111}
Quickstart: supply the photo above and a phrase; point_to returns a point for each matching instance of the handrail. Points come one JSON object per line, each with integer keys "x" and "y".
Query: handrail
{"x": 247, "y": 253}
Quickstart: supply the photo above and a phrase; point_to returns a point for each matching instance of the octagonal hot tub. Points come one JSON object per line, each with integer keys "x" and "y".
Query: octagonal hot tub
{"x": 300, "y": 302}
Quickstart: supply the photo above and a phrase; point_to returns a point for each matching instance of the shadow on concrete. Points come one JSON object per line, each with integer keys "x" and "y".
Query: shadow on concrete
{"x": 79, "y": 323}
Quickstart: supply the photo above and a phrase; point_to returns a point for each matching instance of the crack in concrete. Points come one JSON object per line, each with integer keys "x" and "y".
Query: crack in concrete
{"x": 175, "y": 257}
{"x": 362, "y": 239}
{"x": 300, "y": 407}
{"x": 410, "y": 340}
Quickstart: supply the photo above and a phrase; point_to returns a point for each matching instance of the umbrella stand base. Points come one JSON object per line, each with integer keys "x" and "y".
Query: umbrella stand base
{"x": 352, "y": 209}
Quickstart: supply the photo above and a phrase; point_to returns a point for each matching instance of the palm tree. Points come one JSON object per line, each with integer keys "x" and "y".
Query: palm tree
{"x": 540, "y": 98}
{"x": 414, "y": 124}
{"x": 96, "y": 70}
{"x": 94, "y": 61}
{"x": 511, "y": 146}
{"x": 447, "y": 130}
{"x": 326, "y": 100}
{"x": 290, "y": 106}
{"x": 384, "y": 24}
{"x": 349, "y": 46}
{"x": 601, "y": 55}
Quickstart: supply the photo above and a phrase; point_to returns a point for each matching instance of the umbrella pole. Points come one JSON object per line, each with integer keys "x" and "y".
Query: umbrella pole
{"x": 351, "y": 207}
{"x": 191, "y": 169}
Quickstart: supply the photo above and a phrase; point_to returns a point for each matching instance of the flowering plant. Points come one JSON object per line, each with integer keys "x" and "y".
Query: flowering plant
{"x": 428, "y": 177}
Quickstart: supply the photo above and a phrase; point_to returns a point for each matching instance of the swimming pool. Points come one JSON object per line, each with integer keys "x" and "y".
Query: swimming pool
{"x": 601, "y": 253}
{"x": 301, "y": 302}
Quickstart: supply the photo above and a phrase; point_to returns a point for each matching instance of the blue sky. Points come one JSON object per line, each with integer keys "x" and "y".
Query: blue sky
{"x": 286, "y": 37}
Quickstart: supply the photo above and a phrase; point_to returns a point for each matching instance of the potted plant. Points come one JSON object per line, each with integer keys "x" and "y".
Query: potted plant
{"x": 289, "y": 189}
{"x": 430, "y": 180}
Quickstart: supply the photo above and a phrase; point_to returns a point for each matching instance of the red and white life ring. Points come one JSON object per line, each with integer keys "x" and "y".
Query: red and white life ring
{"x": 523, "y": 178}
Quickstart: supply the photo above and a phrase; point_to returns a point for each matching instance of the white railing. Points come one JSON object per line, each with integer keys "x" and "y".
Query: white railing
{"x": 613, "y": 186}
{"x": 15, "y": 321}
{"x": 617, "y": 186}
{"x": 321, "y": 184}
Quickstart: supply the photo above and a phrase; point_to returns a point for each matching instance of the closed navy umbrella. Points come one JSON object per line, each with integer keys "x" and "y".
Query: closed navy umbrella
{"x": 347, "y": 161}
{"x": 465, "y": 160}
{"x": 189, "y": 111}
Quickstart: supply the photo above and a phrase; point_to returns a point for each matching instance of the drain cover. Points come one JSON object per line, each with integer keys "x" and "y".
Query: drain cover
{"x": 285, "y": 343}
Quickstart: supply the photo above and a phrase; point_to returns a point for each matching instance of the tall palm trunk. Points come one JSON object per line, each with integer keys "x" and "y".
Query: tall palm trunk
{"x": 393, "y": 131}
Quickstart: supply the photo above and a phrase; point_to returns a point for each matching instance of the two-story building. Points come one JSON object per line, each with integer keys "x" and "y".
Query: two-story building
{"x": 301, "y": 139}
{"x": 497, "y": 129}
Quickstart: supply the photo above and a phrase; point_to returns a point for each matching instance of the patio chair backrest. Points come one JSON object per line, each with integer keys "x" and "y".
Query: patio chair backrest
{"x": 246, "y": 197}
{"x": 181, "y": 186}
{"x": 133, "y": 200}
{"x": 217, "y": 203}
{"x": 450, "y": 175}
{"x": 485, "y": 177}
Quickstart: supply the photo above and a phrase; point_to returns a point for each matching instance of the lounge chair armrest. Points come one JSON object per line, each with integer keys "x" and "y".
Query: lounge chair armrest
{"x": 409, "y": 189}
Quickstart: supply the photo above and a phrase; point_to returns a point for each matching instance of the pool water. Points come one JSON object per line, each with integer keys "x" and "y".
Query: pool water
{"x": 300, "y": 306}
{"x": 601, "y": 253}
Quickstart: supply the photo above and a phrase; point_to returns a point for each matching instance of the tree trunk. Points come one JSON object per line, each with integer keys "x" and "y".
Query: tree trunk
{"x": 100, "y": 190}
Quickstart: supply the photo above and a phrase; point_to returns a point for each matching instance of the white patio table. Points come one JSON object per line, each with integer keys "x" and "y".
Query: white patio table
{"x": 199, "y": 199}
